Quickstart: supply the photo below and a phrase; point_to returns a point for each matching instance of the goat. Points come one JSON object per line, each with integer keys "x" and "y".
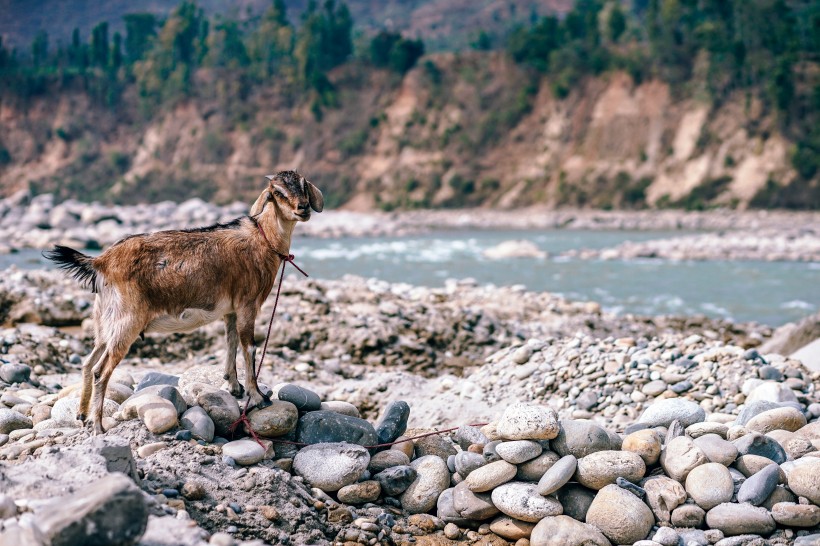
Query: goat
{"x": 179, "y": 280}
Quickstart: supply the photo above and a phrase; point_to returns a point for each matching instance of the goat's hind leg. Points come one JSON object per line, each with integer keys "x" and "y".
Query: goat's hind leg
{"x": 117, "y": 348}
{"x": 232, "y": 339}
{"x": 88, "y": 378}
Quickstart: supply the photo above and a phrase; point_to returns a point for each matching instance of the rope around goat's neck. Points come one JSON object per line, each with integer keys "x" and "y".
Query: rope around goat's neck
{"x": 243, "y": 419}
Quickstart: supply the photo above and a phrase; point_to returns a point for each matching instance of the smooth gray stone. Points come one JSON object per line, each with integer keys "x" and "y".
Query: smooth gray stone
{"x": 201, "y": 426}
{"x": 168, "y": 392}
{"x": 466, "y": 462}
{"x": 579, "y": 438}
{"x": 394, "y": 421}
{"x": 663, "y": 412}
{"x": 757, "y": 487}
{"x": 319, "y": 427}
{"x": 757, "y": 444}
{"x": 467, "y": 435}
{"x": 157, "y": 378}
{"x": 303, "y": 399}
{"x": 396, "y": 479}
{"x": 15, "y": 373}
{"x": 636, "y": 490}
{"x": 557, "y": 475}
{"x": 576, "y": 500}
{"x": 489, "y": 452}
{"x": 752, "y": 409}
{"x": 476, "y": 506}
{"x": 11, "y": 420}
{"x": 447, "y": 512}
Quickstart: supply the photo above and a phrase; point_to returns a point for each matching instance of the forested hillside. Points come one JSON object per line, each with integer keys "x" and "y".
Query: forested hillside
{"x": 687, "y": 103}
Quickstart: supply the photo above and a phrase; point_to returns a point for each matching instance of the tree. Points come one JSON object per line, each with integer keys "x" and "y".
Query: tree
{"x": 39, "y": 48}
{"x": 270, "y": 46}
{"x": 99, "y": 45}
{"x": 617, "y": 23}
{"x": 140, "y": 30}
{"x": 324, "y": 41}
{"x": 391, "y": 50}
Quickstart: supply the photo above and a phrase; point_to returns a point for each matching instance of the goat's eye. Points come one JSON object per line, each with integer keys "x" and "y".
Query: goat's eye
{"x": 278, "y": 193}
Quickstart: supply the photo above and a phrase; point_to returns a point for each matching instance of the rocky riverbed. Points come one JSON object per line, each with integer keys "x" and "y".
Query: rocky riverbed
{"x": 573, "y": 426}
{"x": 29, "y": 221}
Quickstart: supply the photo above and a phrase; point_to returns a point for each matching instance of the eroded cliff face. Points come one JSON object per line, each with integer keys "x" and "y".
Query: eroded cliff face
{"x": 472, "y": 129}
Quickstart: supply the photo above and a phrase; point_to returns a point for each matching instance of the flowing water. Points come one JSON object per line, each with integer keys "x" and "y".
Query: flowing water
{"x": 771, "y": 293}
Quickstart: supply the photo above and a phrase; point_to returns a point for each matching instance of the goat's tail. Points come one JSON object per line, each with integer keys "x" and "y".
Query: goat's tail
{"x": 78, "y": 264}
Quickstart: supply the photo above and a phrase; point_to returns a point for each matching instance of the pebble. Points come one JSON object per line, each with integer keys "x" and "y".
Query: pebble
{"x": 393, "y": 422}
{"x": 331, "y": 466}
{"x": 576, "y": 500}
{"x": 757, "y": 444}
{"x": 601, "y": 468}
{"x": 716, "y": 449}
{"x": 473, "y": 506}
{"x": 654, "y": 388}
{"x": 636, "y": 490}
{"x": 65, "y": 409}
{"x": 244, "y": 452}
{"x": 580, "y": 438}
{"x": 752, "y": 409}
{"x": 666, "y": 536}
{"x": 772, "y": 392}
{"x": 159, "y": 416}
{"x": 339, "y": 406}
{"x": 710, "y": 484}
{"x": 490, "y": 476}
{"x": 193, "y": 490}
{"x": 511, "y": 529}
{"x": 156, "y": 378}
{"x": 534, "y": 469}
{"x": 707, "y": 427}
{"x": 432, "y": 477}
{"x": 662, "y": 412}
{"x": 452, "y": 531}
{"x": 790, "y": 514}
{"x": 465, "y": 462}
{"x": 15, "y": 373}
{"x": 645, "y": 443}
{"x": 360, "y": 493}
{"x": 620, "y": 515}
{"x": 8, "y": 509}
{"x": 275, "y": 420}
{"x": 688, "y": 515}
{"x": 199, "y": 423}
{"x": 680, "y": 457}
{"x": 221, "y": 407}
{"x": 149, "y": 449}
{"x": 518, "y": 451}
{"x": 663, "y": 495}
{"x": 303, "y": 399}
{"x": 434, "y": 445}
{"x": 565, "y": 531}
{"x": 786, "y": 418}
{"x": 557, "y": 475}
{"x": 319, "y": 427}
{"x": 11, "y": 420}
{"x": 528, "y": 422}
{"x": 804, "y": 480}
{"x": 167, "y": 392}
{"x": 467, "y": 435}
{"x": 740, "y": 519}
{"x": 387, "y": 459}
{"x": 396, "y": 479}
{"x": 757, "y": 487}
{"x": 521, "y": 501}
{"x": 446, "y": 511}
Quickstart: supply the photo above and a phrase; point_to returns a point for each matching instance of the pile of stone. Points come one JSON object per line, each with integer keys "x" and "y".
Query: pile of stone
{"x": 676, "y": 474}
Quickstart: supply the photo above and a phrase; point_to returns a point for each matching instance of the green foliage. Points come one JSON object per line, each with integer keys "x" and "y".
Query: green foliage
{"x": 616, "y": 25}
{"x": 353, "y": 143}
{"x": 5, "y": 155}
{"x": 700, "y": 198}
{"x": 140, "y": 31}
{"x": 323, "y": 42}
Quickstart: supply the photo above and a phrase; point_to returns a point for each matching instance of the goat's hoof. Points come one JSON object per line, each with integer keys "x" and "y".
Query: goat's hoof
{"x": 237, "y": 391}
{"x": 264, "y": 403}
{"x": 81, "y": 417}
{"x": 98, "y": 429}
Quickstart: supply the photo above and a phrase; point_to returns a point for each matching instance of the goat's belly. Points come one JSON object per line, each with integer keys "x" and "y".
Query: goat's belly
{"x": 187, "y": 321}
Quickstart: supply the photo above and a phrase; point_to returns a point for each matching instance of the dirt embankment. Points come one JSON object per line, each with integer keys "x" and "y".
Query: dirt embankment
{"x": 472, "y": 129}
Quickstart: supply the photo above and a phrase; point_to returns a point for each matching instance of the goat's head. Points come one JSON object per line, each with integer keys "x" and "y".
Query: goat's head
{"x": 291, "y": 194}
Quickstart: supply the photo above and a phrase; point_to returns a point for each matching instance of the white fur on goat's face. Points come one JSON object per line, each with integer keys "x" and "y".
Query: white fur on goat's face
{"x": 292, "y": 195}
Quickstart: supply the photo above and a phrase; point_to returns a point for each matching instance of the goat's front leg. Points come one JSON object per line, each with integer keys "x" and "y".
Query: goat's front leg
{"x": 245, "y": 323}
{"x": 232, "y": 339}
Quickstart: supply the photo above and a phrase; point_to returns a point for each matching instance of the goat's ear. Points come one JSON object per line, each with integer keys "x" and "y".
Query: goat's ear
{"x": 317, "y": 202}
{"x": 259, "y": 205}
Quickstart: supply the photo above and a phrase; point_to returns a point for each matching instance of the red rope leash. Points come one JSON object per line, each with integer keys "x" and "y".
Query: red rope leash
{"x": 243, "y": 419}
{"x": 410, "y": 439}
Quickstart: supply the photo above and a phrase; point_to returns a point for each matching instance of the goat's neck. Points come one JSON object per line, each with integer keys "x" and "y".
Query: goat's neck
{"x": 277, "y": 229}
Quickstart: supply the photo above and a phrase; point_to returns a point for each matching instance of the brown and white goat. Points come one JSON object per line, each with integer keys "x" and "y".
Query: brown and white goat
{"x": 177, "y": 281}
